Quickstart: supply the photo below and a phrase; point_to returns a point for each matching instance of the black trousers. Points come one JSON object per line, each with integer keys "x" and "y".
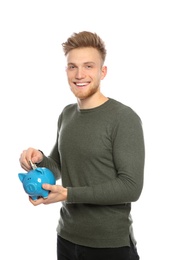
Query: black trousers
{"x": 69, "y": 251}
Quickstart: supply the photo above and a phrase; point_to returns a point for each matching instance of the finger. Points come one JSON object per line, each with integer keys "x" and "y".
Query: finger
{"x": 25, "y": 168}
{"x": 27, "y": 156}
{"x": 36, "y": 202}
{"x": 24, "y": 161}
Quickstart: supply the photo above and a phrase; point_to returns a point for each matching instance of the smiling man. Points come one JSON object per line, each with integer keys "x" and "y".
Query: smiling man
{"x": 99, "y": 155}
{"x": 85, "y": 70}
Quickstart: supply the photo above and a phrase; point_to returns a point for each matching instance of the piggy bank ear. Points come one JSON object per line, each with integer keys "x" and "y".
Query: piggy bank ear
{"x": 21, "y": 176}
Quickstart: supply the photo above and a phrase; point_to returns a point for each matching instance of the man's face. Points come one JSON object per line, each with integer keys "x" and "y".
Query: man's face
{"x": 84, "y": 71}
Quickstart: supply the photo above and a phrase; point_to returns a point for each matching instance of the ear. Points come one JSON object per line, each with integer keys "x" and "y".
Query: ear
{"x": 21, "y": 176}
{"x": 104, "y": 72}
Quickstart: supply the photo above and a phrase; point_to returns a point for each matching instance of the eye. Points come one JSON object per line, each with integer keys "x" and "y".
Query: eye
{"x": 89, "y": 66}
{"x": 71, "y": 67}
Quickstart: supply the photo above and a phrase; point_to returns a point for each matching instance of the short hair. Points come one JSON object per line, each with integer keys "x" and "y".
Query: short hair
{"x": 85, "y": 39}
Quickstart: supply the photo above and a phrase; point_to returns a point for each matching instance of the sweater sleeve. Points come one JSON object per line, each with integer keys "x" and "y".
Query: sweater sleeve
{"x": 128, "y": 155}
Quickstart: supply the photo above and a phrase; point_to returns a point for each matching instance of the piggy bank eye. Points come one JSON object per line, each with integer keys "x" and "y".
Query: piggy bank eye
{"x": 39, "y": 180}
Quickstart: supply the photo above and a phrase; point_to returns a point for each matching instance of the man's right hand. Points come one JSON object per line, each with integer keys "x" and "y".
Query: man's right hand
{"x": 31, "y": 154}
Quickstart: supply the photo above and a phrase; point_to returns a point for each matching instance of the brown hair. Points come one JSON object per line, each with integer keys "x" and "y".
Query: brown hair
{"x": 85, "y": 39}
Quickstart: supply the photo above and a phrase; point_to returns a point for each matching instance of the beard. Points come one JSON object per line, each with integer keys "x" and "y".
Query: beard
{"x": 84, "y": 94}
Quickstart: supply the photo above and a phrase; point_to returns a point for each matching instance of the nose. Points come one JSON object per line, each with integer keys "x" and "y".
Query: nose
{"x": 79, "y": 73}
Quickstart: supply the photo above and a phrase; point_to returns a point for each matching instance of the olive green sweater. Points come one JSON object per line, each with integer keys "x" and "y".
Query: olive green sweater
{"x": 99, "y": 154}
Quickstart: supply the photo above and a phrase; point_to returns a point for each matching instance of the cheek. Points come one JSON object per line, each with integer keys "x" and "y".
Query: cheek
{"x": 99, "y": 76}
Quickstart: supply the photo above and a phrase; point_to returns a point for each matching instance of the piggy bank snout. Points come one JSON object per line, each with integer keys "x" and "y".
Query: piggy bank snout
{"x": 31, "y": 187}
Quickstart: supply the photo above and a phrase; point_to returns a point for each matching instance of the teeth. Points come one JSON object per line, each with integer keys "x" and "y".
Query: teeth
{"x": 81, "y": 84}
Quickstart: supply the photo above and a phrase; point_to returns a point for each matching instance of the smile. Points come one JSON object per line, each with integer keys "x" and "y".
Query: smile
{"x": 82, "y": 84}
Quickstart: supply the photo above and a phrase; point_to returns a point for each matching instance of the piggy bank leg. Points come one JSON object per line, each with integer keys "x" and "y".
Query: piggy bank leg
{"x": 34, "y": 197}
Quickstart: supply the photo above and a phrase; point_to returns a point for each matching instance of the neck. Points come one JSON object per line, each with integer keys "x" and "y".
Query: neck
{"x": 92, "y": 101}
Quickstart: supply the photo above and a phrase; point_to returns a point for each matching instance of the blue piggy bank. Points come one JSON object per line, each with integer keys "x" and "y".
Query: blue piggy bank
{"x": 33, "y": 180}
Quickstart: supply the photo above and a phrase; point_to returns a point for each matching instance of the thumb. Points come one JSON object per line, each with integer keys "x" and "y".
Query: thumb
{"x": 37, "y": 158}
{"x": 47, "y": 186}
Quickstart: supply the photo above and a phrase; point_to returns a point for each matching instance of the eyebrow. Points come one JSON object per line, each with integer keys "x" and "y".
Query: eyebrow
{"x": 85, "y": 63}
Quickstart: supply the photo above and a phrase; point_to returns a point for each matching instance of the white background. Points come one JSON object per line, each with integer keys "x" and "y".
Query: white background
{"x": 33, "y": 86}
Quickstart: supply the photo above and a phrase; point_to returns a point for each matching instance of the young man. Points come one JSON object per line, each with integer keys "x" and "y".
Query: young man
{"x": 99, "y": 154}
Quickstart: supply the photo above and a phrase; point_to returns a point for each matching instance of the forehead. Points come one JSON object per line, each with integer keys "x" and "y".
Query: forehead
{"x": 83, "y": 55}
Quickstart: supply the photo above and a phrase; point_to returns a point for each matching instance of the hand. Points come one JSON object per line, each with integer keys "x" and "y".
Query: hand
{"x": 28, "y": 155}
{"x": 57, "y": 194}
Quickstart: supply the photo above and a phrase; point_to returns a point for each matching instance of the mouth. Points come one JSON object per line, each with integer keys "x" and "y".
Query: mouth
{"x": 81, "y": 84}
